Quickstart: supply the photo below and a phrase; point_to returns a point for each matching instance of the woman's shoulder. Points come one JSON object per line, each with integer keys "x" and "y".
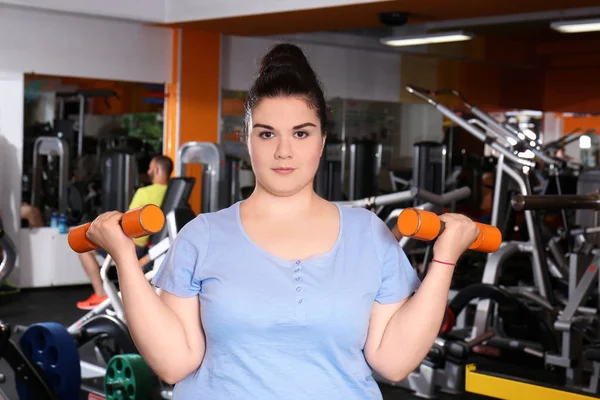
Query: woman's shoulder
{"x": 363, "y": 224}
{"x": 204, "y": 223}
{"x": 357, "y": 216}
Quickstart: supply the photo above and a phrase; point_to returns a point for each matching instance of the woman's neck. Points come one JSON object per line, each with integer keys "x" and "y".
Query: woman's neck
{"x": 268, "y": 205}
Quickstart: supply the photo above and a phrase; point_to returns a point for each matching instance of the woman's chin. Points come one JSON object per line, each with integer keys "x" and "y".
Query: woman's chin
{"x": 284, "y": 189}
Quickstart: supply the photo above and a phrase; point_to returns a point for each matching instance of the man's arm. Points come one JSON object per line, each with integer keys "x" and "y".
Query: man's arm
{"x": 144, "y": 260}
{"x": 396, "y": 232}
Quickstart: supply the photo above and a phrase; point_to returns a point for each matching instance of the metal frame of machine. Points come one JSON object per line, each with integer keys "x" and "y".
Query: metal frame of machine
{"x": 51, "y": 146}
{"x": 210, "y": 155}
{"x": 492, "y": 134}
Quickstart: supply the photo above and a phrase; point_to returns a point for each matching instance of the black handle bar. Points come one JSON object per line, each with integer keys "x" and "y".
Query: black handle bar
{"x": 589, "y": 201}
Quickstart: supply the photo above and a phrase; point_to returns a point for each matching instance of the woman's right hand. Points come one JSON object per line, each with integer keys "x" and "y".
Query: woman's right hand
{"x": 106, "y": 232}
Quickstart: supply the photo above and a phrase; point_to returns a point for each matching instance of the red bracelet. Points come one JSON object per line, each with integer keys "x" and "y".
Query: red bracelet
{"x": 441, "y": 262}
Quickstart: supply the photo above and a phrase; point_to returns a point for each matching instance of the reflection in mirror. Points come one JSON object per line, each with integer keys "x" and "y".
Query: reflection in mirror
{"x": 87, "y": 144}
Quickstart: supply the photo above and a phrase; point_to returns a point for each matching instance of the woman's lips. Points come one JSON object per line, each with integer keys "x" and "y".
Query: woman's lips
{"x": 284, "y": 171}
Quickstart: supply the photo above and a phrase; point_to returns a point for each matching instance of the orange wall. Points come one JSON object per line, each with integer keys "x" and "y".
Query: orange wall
{"x": 171, "y": 102}
{"x": 563, "y": 76}
{"x": 572, "y": 90}
{"x": 571, "y": 123}
{"x": 571, "y": 75}
{"x": 196, "y": 109}
{"x": 497, "y": 81}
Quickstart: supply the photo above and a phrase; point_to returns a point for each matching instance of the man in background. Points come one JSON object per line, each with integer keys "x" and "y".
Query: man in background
{"x": 159, "y": 172}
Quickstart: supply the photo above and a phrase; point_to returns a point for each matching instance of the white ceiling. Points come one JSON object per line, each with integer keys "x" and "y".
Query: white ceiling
{"x": 175, "y": 11}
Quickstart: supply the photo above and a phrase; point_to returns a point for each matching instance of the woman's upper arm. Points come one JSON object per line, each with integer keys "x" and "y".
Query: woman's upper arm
{"x": 398, "y": 282}
{"x": 187, "y": 310}
{"x": 180, "y": 280}
{"x": 378, "y": 321}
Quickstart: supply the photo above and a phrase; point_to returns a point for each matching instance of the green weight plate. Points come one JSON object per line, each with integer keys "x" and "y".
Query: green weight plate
{"x": 128, "y": 377}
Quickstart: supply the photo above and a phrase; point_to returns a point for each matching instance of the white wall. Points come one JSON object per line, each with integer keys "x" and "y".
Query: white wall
{"x": 11, "y": 149}
{"x": 69, "y": 45}
{"x": 145, "y": 10}
{"x": 345, "y": 72}
{"x": 418, "y": 123}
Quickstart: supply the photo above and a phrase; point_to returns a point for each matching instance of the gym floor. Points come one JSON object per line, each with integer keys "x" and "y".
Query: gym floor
{"x": 58, "y": 305}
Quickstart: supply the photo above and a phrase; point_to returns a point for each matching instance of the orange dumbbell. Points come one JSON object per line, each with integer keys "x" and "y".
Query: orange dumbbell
{"x": 425, "y": 225}
{"x": 135, "y": 223}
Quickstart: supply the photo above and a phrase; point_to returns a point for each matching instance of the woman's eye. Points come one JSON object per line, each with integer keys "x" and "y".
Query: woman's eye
{"x": 265, "y": 135}
{"x": 301, "y": 134}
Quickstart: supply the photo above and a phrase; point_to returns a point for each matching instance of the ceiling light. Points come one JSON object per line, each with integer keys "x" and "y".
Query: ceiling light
{"x": 576, "y": 26}
{"x": 529, "y": 133}
{"x": 427, "y": 38}
{"x": 585, "y": 142}
{"x": 526, "y": 154}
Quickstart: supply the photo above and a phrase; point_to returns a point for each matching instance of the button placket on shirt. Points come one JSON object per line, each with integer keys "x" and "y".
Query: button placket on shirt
{"x": 299, "y": 290}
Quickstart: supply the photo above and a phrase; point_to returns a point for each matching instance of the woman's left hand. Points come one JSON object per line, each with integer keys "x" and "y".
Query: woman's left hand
{"x": 459, "y": 233}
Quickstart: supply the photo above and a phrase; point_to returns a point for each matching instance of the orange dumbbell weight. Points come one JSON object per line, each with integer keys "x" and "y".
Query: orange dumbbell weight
{"x": 425, "y": 225}
{"x": 135, "y": 223}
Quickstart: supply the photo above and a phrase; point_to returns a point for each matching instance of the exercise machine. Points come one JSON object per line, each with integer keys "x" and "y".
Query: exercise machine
{"x": 236, "y": 158}
{"x": 119, "y": 180}
{"x": 365, "y": 166}
{"x": 330, "y": 176}
{"x": 494, "y": 384}
{"x": 571, "y": 322}
{"x": 8, "y": 255}
{"x": 509, "y": 165}
{"x": 50, "y": 147}
{"x": 567, "y": 342}
{"x": 210, "y": 156}
{"x": 429, "y": 167}
{"x": 81, "y": 96}
{"x": 25, "y": 370}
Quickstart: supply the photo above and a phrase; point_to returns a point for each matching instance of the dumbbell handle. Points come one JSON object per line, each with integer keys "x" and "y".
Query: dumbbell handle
{"x": 135, "y": 223}
{"x": 425, "y": 225}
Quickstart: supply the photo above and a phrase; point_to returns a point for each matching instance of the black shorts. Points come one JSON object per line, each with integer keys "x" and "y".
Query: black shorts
{"x": 139, "y": 251}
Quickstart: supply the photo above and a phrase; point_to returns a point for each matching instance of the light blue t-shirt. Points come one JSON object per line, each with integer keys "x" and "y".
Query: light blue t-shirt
{"x": 278, "y": 329}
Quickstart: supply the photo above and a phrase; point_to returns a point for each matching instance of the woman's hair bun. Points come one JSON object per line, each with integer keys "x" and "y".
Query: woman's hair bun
{"x": 285, "y": 56}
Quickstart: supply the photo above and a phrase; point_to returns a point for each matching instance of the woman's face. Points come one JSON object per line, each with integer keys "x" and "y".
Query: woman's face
{"x": 285, "y": 144}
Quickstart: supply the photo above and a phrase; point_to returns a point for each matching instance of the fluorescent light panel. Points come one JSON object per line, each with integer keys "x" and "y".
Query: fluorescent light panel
{"x": 428, "y": 38}
{"x": 576, "y": 26}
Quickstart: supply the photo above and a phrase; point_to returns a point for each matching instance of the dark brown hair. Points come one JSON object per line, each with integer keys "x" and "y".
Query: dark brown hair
{"x": 165, "y": 164}
{"x": 285, "y": 71}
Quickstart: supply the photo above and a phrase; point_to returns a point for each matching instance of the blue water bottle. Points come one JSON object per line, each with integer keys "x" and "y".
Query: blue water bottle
{"x": 54, "y": 220}
{"x": 62, "y": 223}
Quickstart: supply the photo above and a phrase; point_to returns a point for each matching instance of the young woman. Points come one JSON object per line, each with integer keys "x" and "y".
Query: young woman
{"x": 284, "y": 295}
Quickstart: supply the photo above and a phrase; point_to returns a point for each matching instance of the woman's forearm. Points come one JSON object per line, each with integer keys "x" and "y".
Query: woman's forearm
{"x": 412, "y": 329}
